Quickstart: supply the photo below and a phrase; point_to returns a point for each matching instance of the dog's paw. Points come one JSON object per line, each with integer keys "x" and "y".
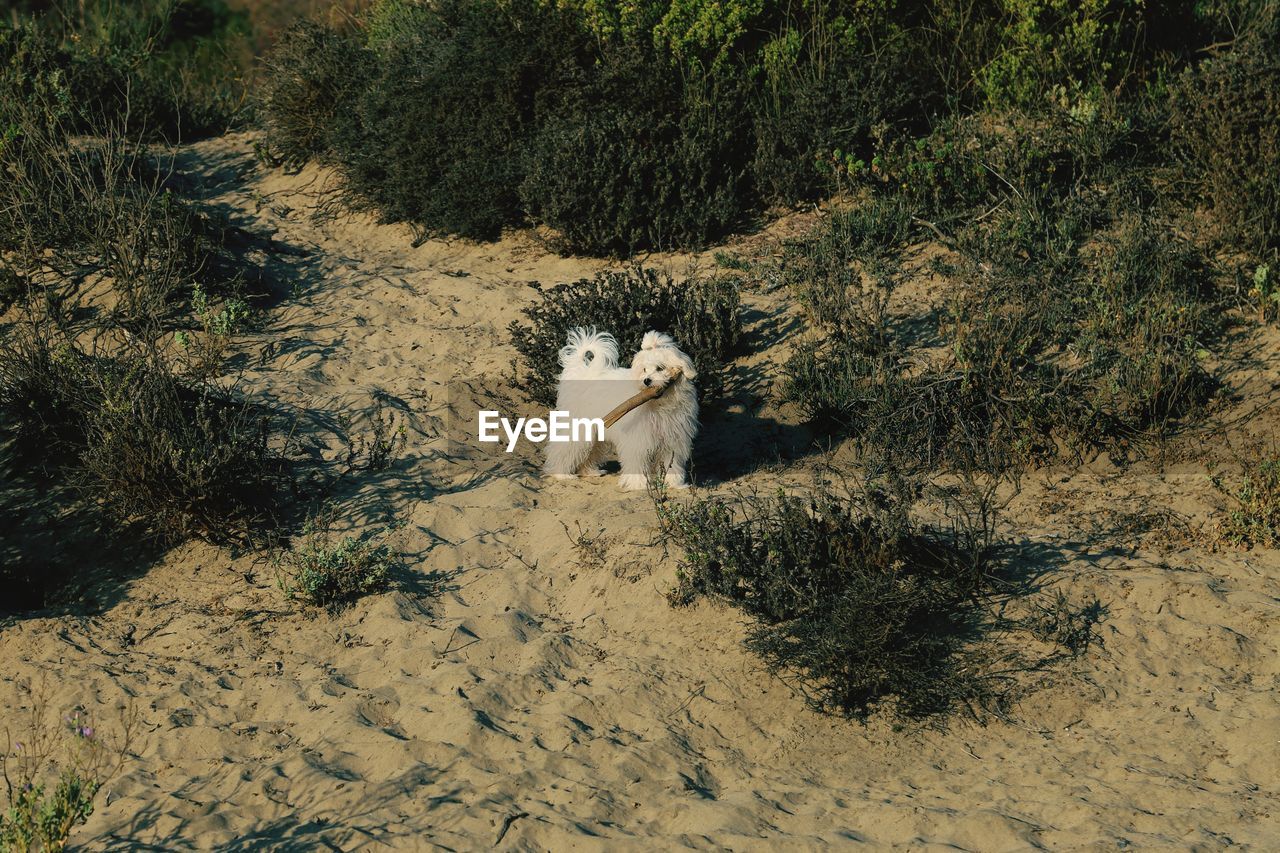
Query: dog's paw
{"x": 563, "y": 476}
{"x": 594, "y": 471}
{"x": 675, "y": 481}
{"x": 633, "y": 482}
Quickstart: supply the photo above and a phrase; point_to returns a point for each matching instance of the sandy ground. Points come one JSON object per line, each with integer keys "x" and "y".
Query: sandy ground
{"x": 514, "y": 691}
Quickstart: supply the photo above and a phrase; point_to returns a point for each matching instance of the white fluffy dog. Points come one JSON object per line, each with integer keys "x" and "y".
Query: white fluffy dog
{"x": 655, "y": 438}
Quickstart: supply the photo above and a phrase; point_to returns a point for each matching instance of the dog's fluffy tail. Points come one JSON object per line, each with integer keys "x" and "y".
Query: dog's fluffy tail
{"x": 587, "y": 346}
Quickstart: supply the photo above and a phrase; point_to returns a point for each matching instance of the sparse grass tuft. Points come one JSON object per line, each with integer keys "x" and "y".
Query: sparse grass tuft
{"x": 1254, "y": 516}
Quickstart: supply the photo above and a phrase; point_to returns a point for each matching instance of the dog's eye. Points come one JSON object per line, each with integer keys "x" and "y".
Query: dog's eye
{"x": 659, "y": 368}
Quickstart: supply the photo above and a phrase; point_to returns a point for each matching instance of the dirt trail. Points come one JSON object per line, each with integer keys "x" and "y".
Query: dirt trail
{"x": 514, "y": 691}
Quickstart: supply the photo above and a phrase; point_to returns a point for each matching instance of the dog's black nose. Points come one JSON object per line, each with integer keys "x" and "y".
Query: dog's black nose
{"x": 648, "y": 380}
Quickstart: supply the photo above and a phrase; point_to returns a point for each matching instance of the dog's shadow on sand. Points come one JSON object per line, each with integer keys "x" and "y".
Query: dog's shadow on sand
{"x": 736, "y": 441}
{"x": 742, "y": 430}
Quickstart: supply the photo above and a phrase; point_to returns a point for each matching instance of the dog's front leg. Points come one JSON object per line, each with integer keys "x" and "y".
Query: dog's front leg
{"x": 636, "y": 459}
{"x": 677, "y": 465}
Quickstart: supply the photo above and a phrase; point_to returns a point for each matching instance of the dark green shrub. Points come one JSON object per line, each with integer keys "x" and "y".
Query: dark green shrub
{"x": 1146, "y": 311}
{"x": 645, "y": 157}
{"x": 313, "y": 74}
{"x": 12, "y": 287}
{"x": 42, "y": 395}
{"x": 845, "y": 270}
{"x": 100, "y": 205}
{"x": 853, "y": 598}
{"x": 1067, "y": 329}
{"x": 1225, "y": 128}
{"x": 146, "y": 446}
{"x": 188, "y": 461}
{"x": 438, "y": 135}
{"x": 826, "y": 85}
{"x": 701, "y": 314}
{"x": 90, "y": 396}
{"x": 157, "y": 69}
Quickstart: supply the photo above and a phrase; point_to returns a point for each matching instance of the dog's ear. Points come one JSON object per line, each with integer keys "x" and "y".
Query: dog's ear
{"x": 656, "y": 340}
{"x": 686, "y": 364}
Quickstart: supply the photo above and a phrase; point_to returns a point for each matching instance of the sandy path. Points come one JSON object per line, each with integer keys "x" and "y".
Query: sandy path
{"x": 512, "y": 691}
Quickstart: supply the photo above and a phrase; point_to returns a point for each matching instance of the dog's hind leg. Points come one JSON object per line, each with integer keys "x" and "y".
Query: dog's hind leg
{"x": 566, "y": 458}
{"x": 594, "y": 464}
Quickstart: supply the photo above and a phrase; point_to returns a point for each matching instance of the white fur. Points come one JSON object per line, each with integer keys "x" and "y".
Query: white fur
{"x": 654, "y": 439}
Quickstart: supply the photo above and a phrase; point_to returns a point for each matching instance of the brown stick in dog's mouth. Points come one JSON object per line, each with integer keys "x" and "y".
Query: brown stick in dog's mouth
{"x": 637, "y": 400}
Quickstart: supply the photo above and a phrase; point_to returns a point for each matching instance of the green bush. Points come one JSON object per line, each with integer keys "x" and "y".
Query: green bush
{"x": 644, "y": 157}
{"x": 1146, "y": 311}
{"x": 159, "y": 69}
{"x": 702, "y": 314}
{"x": 327, "y": 571}
{"x": 314, "y": 74}
{"x": 181, "y": 457}
{"x": 1061, "y": 49}
{"x": 1069, "y": 327}
{"x": 850, "y": 596}
{"x": 844, "y": 270}
{"x": 438, "y": 135}
{"x": 826, "y": 85}
{"x": 1225, "y": 128}
{"x": 619, "y": 129}
{"x": 189, "y": 461}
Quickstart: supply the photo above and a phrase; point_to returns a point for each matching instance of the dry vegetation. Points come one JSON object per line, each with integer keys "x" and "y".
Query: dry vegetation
{"x": 1097, "y": 187}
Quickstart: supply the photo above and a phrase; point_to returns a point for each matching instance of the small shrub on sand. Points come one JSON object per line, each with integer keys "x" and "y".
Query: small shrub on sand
{"x": 702, "y": 314}
{"x": 845, "y": 270}
{"x": 850, "y": 595}
{"x": 188, "y": 460}
{"x": 326, "y": 570}
{"x": 1145, "y": 313}
{"x": 53, "y": 774}
{"x": 1254, "y": 515}
{"x": 72, "y": 207}
{"x": 1264, "y": 292}
{"x": 181, "y": 456}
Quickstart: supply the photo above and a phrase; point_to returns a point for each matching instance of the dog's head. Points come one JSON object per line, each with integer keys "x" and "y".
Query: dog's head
{"x": 654, "y": 364}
